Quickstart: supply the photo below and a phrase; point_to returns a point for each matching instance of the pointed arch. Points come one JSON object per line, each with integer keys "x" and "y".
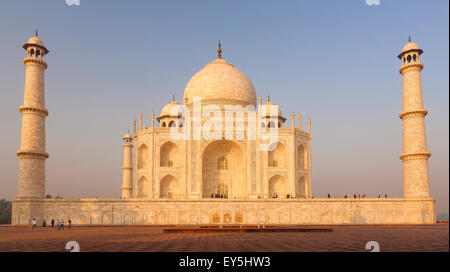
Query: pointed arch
{"x": 223, "y": 169}
{"x": 300, "y": 187}
{"x": 277, "y": 186}
{"x": 301, "y": 157}
{"x": 143, "y": 187}
{"x": 169, "y": 187}
{"x": 277, "y": 155}
{"x": 168, "y": 155}
{"x": 143, "y": 157}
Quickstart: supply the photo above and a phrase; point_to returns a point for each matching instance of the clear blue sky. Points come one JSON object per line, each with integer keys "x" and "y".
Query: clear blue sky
{"x": 333, "y": 61}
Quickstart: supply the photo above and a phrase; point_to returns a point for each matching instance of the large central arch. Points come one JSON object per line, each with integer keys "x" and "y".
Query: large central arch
{"x": 223, "y": 169}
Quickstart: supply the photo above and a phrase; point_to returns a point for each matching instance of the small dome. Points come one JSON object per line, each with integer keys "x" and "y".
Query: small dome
{"x": 127, "y": 136}
{"x": 35, "y": 40}
{"x": 220, "y": 81}
{"x": 410, "y": 46}
{"x": 172, "y": 109}
{"x": 268, "y": 109}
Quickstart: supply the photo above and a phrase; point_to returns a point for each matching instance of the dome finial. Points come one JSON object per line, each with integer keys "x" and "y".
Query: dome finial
{"x": 268, "y": 98}
{"x": 36, "y": 34}
{"x": 219, "y": 51}
{"x": 409, "y": 38}
{"x": 173, "y": 98}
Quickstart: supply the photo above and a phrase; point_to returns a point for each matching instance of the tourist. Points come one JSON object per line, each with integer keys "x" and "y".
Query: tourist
{"x": 44, "y": 223}
{"x": 385, "y": 195}
{"x": 62, "y": 224}
{"x": 354, "y": 195}
{"x": 329, "y": 196}
{"x": 345, "y": 196}
{"x": 53, "y": 222}
{"x": 34, "y": 224}
{"x": 58, "y": 225}
{"x": 70, "y": 223}
{"x": 379, "y": 196}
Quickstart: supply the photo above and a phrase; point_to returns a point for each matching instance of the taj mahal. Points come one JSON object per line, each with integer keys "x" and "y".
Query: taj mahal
{"x": 222, "y": 155}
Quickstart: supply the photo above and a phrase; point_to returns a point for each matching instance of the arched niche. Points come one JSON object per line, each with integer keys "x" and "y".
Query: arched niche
{"x": 277, "y": 155}
{"x": 223, "y": 169}
{"x": 277, "y": 187}
{"x": 169, "y": 187}
{"x": 143, "y": 187}
{"x": 300, "y": 188}
{"x": 143, "y": 157}
{"x": 168, "y": 155}
{"x": 301, "y": 157}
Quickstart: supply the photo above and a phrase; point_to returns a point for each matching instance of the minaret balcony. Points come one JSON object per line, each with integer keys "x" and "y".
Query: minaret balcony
{"x": 416, "y": 113}
{"x": 34, "y": 61}
{"x": 31, "y": 154}
{"x": 31, "y": 109}
{"x": 413, "y": 66}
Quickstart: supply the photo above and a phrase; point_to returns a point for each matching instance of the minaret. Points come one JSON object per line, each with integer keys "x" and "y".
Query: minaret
{"x": 32, "y": 153}
{"x": 309, "y": 191}
{"x": 300, "y": 121}
{"x": 415, "y": 155}
{"x": 127, "y": 168}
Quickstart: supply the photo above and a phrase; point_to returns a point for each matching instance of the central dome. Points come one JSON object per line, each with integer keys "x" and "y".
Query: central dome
{"x": 221, "y": 83}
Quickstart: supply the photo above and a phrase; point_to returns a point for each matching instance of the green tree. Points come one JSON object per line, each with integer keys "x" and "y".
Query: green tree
{"x": 5, "y": 211}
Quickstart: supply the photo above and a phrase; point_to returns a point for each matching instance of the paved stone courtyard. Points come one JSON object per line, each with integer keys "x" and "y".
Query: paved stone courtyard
{"x": 148, "y": 238}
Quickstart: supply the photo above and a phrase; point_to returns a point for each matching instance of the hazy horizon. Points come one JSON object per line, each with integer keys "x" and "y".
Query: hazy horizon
{"x": 335, "y": 62}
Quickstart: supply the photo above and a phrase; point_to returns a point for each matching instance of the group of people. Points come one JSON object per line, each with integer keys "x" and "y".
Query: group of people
{"x": 59, "y": 223}
{"x": 362, "y": 196}
{"x": 275, "y": 195}
{"x": 219, "y": 195}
